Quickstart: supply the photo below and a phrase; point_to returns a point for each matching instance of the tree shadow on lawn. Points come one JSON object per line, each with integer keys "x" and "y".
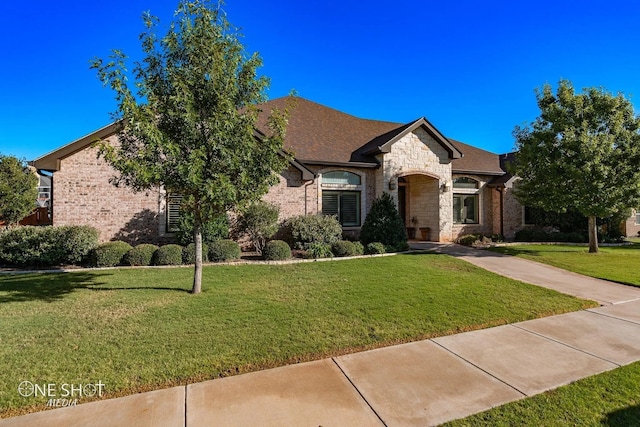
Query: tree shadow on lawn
{"x": 623, "y": 417}
{"x": 50, "y": 287}
{"x": 46, "y": 287}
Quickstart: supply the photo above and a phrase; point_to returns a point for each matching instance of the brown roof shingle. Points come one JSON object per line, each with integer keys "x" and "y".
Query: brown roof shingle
{"x": 317, "y": 133}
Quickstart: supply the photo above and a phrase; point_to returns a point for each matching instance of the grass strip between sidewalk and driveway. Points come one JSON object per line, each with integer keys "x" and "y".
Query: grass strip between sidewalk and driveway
{"x": 608, "y": 399}
{"x": 139, "y": 329}
{"x": 619, "y": 264}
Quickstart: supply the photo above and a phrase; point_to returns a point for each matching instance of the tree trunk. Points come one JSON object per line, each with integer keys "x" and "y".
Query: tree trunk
{"x": 593, "y": 235}
{"x": 197, "y": 238}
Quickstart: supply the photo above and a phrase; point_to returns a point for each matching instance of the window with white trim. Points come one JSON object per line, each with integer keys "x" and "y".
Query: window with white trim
{"x": 466, "y": 201}
{"x": 342, "y": 197}
{"x": 637, "y": 217}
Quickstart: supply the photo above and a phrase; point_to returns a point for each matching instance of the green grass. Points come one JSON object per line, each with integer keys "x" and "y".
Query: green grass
{"x": 139, "y": 329}
{"x": 609, "y": 399}
{"x": 616, "y": 263}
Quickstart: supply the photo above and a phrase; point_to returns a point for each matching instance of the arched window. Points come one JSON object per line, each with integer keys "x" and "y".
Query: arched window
{"x": 342, "y": 197}
{"x": 465, "y": 182}
{"x": 466, "y": 200}
{"x": 340, "y": 177}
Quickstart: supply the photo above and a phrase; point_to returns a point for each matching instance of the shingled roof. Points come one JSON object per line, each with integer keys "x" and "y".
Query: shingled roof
{"x": 317, "y": 134}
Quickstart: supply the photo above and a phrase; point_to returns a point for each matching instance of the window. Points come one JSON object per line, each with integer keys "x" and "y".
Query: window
{"x": 466, "y": 201}
{"x": 173, "y": 212}
{"x": 340, "y": 177}
{"x": 342, "y": 196}
{"x": 466, "y": 209}
{"x": 464, "y": 182}
{"x": 637, "y": 218}
{"x": 345, "y": 205}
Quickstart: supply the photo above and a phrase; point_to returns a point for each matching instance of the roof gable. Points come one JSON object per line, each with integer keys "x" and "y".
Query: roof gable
{"x": 383, "y": 143}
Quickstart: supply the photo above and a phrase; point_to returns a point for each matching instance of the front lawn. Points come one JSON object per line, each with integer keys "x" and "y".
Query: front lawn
{"x": 139, "y": 329}
{"x": 616, "y": 263}
{"x": 608, "y": 399}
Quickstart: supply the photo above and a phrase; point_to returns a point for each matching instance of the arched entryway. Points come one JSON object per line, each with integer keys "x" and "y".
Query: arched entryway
{"x": 419, "y": 205}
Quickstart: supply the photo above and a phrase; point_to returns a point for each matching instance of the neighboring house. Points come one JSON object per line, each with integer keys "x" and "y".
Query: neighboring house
{"x": 632, "y": 225}
{"x": 341, "y": 164}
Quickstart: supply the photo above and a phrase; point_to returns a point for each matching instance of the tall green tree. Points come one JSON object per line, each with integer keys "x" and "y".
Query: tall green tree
{"x": 190, "y": 125}
{"x": 582, "y": 152}
{"x": 18, "y": 190}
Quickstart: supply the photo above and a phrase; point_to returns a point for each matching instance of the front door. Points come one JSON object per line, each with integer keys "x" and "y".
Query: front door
{"x": 402, "y": 203}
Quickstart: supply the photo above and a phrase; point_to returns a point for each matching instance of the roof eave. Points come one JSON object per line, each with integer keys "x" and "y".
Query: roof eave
{"x": 51, "y": 161}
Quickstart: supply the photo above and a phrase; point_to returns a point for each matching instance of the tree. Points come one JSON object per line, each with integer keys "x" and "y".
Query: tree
{"x": 383, "y": 224}
{"x": 259, "y": 222}
{"x": 18, "y": 189}
{"x": 581, "y": 153}
{"x": 190, "y": 126}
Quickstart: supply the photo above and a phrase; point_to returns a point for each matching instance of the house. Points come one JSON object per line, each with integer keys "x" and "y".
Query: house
{"x": 342, "y": 163}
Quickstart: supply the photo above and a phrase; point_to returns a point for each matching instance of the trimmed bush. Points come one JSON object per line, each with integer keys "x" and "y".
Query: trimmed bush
{"x": 343, "y": 248}
{"x": 374, "y": 248}
{"x": 224, "y": 250}
{"x": 109, "y": 254}
{"x": 77, "y": 242}
{"x": 358, "y": 248}
{"x": 318, "y": 250}
{"x": 383, "y": 223}
{"x": 276, "y": 250}
{"x": 305, "y": 230}
{"x": 189, "y": 253}
{"x": 168, "y": 255}
{"x": 140, "y": 255}
{"x": 400, "y": 247}
{"x": 259, "y": 222}
{"x": 44, "y": 246}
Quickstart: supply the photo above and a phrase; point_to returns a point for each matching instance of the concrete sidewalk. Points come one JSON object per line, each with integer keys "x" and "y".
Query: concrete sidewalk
{"x": 417, "y": 384}
{"x": 601, "y": 291}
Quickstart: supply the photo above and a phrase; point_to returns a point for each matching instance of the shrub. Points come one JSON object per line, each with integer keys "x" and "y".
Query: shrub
{"x": 468, "y": 239}
{"x": 358, "y": 248}
{"x": 400, "y": 247}
{"x": 304, "y": 230}
{"x": 375, "y": 248}
{"x": 343, "y": 248}
{"x": 44, "y": 246}
{"x": 383, "y": 223}
{"x": 189, "y": 253}
{"x": 318, "y": 250}
{"x": 223, "y": 250}
{"x": 168, "y": 255}
{"x": 77, "y": 242}
{"x": 109, "y": 254}
{"x": 276, "y": 250}
{"x": 216, "y": 229}
{"x": 140, "y": 255}
{"x": 259, "y": 222}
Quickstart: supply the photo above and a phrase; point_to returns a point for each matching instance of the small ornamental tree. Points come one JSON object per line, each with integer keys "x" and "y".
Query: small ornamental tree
{"x": 18, "y": 190}
{"x": 383, "y": 224}
{"x": 190, "y": 128}
{"x": 581, "y": 153}
{"x": 259, "y": 221}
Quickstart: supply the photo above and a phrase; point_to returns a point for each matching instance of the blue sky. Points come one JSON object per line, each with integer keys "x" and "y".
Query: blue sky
{"x": 470, "y": 67}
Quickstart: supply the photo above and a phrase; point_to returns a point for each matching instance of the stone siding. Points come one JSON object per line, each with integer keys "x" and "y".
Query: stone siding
{"x": 488, "y": 198}
{"x": 417, "y": 153}
{"x": 83, "y": 195}
{"x": 632, "y": 229}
